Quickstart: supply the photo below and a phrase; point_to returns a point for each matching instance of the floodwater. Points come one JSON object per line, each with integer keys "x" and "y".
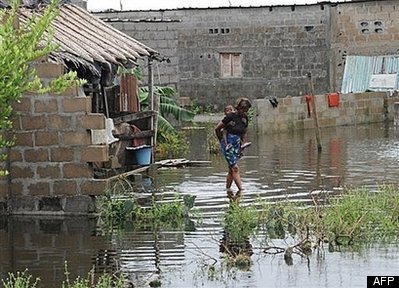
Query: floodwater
{"x": 275, "y": 167}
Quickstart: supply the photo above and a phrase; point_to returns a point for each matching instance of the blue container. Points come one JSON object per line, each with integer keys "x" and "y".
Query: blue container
{"x": 142, "y": 154}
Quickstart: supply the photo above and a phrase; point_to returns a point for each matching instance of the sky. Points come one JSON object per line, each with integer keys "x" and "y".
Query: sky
{"x": 96, "y": 5}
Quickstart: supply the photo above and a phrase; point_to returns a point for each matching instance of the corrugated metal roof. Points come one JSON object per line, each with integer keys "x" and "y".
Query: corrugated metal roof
{"x": 87, "y": 41}
{"x": 359, "y": 70}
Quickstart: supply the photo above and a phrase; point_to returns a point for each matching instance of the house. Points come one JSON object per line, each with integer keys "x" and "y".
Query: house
{"x": 218, "y": 54}
{"x": 68, "y": 146}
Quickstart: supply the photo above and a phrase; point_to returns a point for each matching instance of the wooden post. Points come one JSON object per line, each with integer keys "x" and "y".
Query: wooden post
{"x": 154, "y": 106}
{"x": 314, "y": 111}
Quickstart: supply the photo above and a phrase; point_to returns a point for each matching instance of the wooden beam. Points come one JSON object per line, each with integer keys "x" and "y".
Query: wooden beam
{"x": 141, "y": 134}
{"x": 133, "y": 117}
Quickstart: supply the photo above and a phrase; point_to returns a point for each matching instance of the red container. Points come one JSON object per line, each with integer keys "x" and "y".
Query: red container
{"x": 333, "y": 99}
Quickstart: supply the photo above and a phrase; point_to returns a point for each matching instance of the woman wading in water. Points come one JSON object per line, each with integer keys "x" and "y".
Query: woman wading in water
{"x": 236, "y": 125}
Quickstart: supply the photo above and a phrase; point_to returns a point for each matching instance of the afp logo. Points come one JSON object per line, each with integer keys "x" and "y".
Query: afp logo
{"x": 383, "y": 281}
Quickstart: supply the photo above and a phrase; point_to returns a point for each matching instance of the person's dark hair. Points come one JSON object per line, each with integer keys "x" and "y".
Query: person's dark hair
{"x": 243, "y": 102}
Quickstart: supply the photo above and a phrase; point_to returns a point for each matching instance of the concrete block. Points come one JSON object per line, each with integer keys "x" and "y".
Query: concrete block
{"x": 91, "y": 121}
{"x": 79, "y": 205}
{"x": 44, "y": 138}
{"x": 76, "y": 104}
{"x": 65, "y": 187}
{"x": 36, "y": 155}
{"x": 61, "y": 154}
{"x": 23, "y": 204}
{"x": 23, "y": 106}
{"x": 46, "y": 106}
{"x": 94, "y": 187}
{"x": 39, "y": 188}
{"x": 49, "y": 70}
{"x": 77, "y": 138}
{"x": 23, "y": 139}
{"x": 77, "y": 170}
{"x": 95, "y": 153}
{"x": 29, "y": 122}
{"x": 49, "y": 204}
{"x": 58, "y": 122}
{"x": 49, "y": 172}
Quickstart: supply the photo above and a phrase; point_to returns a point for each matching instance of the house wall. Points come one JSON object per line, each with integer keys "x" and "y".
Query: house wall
{"x": 279, "y": 45}
{"x": 50, "y": 164}
{"x": 292, "y": 112}
{"x": 349, "y": 36}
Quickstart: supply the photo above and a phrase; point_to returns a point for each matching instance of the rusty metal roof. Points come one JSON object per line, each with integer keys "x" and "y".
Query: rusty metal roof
{"x": 87, "y": 42}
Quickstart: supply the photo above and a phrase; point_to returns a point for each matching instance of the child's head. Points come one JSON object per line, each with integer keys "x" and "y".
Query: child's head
{"x": 228, "y": 109}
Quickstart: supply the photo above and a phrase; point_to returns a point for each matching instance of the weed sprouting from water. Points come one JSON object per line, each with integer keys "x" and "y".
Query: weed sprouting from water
{"x": 20, "y": 280}
{"x": 24, "y": 280}
{"x": 120, "y": 207}
{"x": 355, "y": 219}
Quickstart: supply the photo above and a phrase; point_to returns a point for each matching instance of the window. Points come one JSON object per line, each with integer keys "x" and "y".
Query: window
{"x": 230, "y": 64}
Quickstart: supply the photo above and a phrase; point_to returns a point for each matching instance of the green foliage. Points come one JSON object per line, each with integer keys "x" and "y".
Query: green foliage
{"x": 167, "y": 107}
{"x": 117, "y": 208}
{"x": 169, "y": 141}
{"x": 211, "y": 139}
{"x": 20, "y": 280}
{"x": 360, "y": 215}
{"x": 172, "y": 145}
{"x": 20, "y": 46}
{"x": 241, "y": 222}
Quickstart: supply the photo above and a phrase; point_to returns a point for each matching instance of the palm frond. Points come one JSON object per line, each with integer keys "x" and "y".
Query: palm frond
{"x": 177, "y": 112}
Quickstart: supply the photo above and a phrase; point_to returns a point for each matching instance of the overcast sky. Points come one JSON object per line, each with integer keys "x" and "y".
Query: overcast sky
{"x": 171, "y": 4}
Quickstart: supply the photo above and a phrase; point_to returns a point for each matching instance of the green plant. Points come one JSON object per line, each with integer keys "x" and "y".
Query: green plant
{"x": 172, "y": 145}
{"x": 20, "y": 280}
{"x": 118, "y": 208}
{"x": 20, "y": 46}
{"x": 240, "y": 222}
{"x": 361, "y": 215}
{"x": 211, "y": 139}
{"x": 167, "y": 107}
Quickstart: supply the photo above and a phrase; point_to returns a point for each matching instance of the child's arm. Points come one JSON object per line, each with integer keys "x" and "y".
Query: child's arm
{"x": 219, "y": 130}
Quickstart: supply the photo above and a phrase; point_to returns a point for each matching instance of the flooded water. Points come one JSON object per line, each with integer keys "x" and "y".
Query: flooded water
{"x": 275, "y": 167}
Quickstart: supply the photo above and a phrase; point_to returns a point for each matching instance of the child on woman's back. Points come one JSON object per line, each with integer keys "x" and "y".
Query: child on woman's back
{"x": 227, "y": 110}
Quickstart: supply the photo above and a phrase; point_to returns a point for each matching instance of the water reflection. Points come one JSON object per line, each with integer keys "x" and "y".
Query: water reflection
{"x": 275, "y": 167}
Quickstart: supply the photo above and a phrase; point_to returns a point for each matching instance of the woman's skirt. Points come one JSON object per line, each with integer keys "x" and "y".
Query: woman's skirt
{"x": 231, "y": 151}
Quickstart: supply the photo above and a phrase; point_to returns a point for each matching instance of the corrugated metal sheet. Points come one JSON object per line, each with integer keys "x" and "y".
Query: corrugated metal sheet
{"x": 359, "y": 70}
{"x": 88, "y": 42}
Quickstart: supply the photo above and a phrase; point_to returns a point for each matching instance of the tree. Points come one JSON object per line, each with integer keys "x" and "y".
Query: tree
{"x": 21, "y": 44}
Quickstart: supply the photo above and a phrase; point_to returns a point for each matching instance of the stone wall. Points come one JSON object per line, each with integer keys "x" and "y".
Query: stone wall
{"x": 292, "y": 113}
{"x": 51, "y": 163}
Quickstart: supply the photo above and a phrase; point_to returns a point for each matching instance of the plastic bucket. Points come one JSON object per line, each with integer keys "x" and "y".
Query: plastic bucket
{"x": 142, "y": 154}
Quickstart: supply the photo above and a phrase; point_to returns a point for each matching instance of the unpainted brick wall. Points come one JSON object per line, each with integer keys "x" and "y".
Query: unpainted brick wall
{"x": 51, "y": 163}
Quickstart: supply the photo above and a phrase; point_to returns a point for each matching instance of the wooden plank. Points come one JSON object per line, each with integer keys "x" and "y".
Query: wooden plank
{"x": 141, "y": 134}
{"x": 133, "y": 117}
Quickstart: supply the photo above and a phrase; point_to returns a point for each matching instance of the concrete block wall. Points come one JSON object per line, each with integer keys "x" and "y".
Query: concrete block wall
{"x": 278, "y": 47}
{"x": 51, "y": 164}
{"x": 278, "y": 44}
{"x": 292, "y": 113}
{"x": 396, "y": 113}
{"x": 362, "y": 28}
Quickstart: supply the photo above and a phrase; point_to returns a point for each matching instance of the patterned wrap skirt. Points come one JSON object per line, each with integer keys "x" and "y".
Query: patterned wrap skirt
{"x": 232, "y": 155}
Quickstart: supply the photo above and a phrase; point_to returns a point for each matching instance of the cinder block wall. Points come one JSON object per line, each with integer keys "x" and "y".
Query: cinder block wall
{"x": 292, "y": 113}
{"x": 51, "y": 163}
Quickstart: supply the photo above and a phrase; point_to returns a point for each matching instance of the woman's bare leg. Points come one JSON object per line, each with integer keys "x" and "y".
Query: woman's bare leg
{"x": 235, "y": 173}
